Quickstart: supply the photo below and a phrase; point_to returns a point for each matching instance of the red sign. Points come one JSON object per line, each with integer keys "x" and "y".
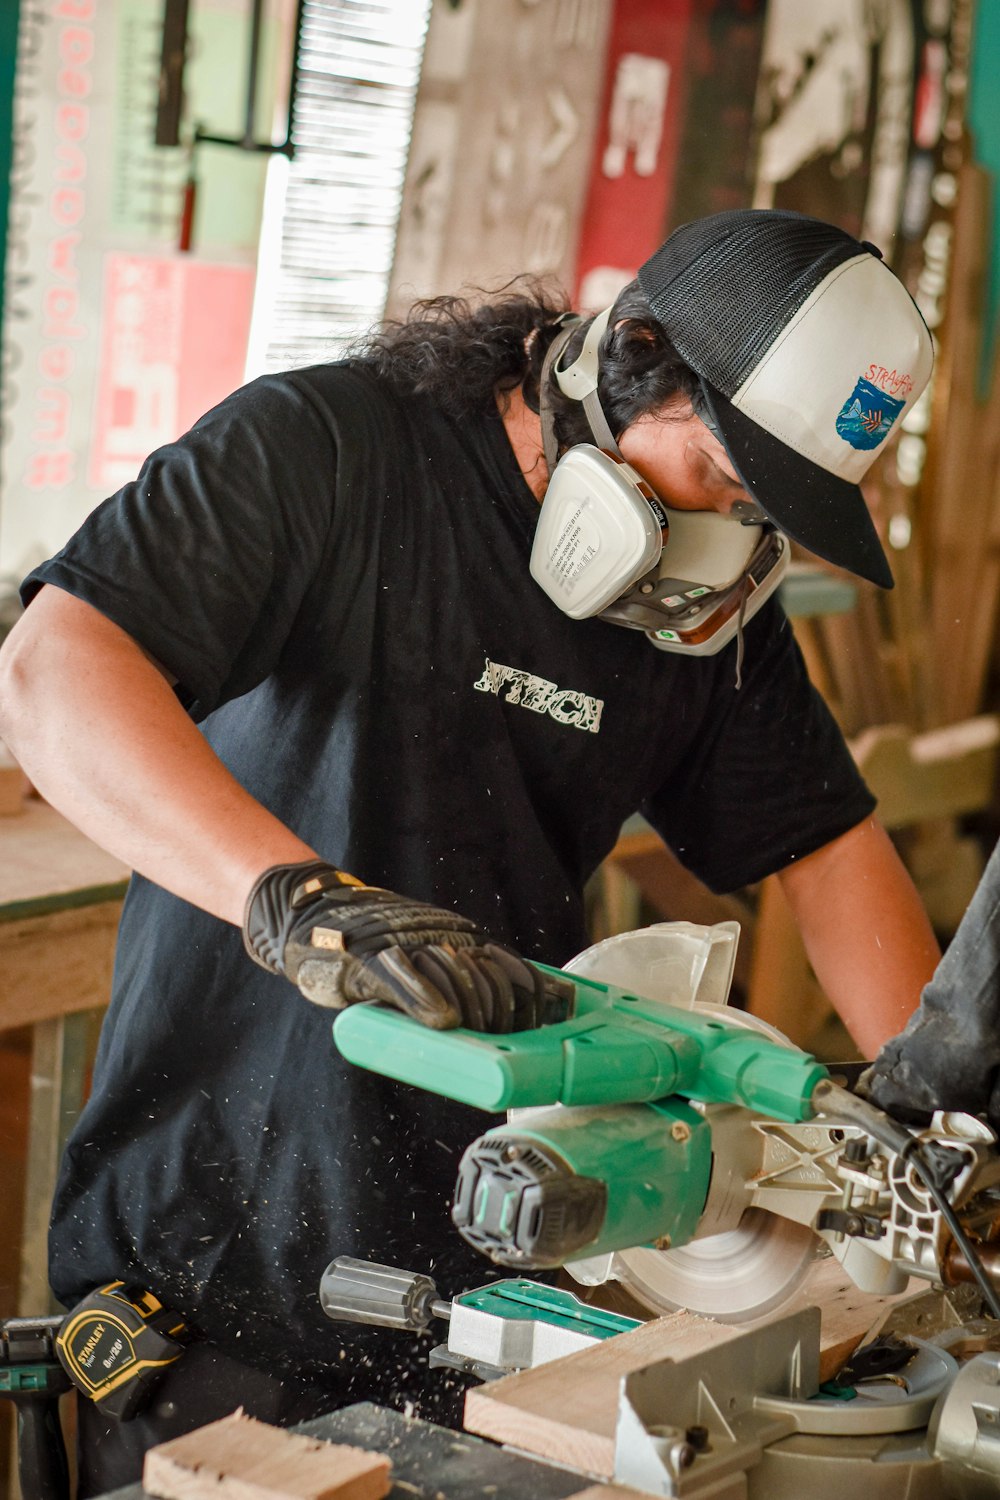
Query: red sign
{"x": 173, "y": 344}
{"x": 633, "y": 172}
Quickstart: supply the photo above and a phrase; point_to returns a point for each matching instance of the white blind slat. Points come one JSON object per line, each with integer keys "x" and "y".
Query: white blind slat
{"x": 331, "y": 214}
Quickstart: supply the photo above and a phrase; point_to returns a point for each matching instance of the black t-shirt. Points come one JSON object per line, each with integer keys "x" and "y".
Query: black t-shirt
{"x": 337, "y": 574}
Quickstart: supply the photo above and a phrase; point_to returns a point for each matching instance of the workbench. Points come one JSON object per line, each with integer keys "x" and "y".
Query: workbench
{"x": 435, "y": 1463}
{"x": 60, "y": 901}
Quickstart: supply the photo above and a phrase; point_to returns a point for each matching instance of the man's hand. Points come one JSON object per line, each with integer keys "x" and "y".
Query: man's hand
{"x": 341, "y": 942}
{"x": 939, "y": 1062}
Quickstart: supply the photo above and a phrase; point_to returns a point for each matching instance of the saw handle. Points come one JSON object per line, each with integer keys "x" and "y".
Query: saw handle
{"x": 617, "y": 1048}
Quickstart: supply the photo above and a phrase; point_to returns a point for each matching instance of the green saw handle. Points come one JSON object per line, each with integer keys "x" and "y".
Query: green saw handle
{"x": 618, "y": 1048}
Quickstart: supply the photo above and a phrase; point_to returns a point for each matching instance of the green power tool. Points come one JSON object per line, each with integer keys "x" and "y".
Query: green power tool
{"x": 627, "y": 1160}
{"x": 687, "y": 1151}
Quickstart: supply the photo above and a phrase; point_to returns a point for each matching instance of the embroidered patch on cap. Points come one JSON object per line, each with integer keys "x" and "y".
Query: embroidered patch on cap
{"x": 866, "y": 417}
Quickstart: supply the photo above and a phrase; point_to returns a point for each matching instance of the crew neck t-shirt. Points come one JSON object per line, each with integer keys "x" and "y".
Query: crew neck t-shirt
{"x": 336, "y": 573}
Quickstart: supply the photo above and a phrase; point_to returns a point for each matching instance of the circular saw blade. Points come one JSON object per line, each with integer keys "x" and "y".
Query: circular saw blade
{"x": 741, "y": 1276}
{"x": 745, "y": 1274}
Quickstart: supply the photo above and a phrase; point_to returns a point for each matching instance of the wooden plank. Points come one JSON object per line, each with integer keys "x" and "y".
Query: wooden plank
{"x": 862, "y": 691}
{"x": 483, "y": 204}
{"x": 239, "y": 1458}
{"x": 59, "y": 1056}
{"x": 47, "y": 864}
{"x": 566, "y": 1410}
{"x": 960, "y": 469}
{"x": 983, "y": 584}
{"x": 55, "y": 965}
{"x": 783, "y": 991}
{"x": 13, "y": 790}
{"x": 14, "y": 786}
{"x": 940, "y": 774}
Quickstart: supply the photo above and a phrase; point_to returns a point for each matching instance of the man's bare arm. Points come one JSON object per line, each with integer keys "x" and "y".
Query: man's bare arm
{"x": 865, "y": 930}
{"x": 96, "y": 726}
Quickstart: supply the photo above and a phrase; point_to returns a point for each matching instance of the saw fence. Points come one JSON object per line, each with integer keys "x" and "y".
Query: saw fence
{"x": 566, "y": 1412}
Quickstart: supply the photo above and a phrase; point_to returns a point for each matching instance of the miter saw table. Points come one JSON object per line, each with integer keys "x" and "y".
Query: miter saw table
{"x": 913, "y": 1414}
{"x": 732, "y": 1424}
{"x": 431, "y": 1462}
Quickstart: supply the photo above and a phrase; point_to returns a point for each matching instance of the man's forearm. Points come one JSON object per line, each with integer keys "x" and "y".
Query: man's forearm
{"x": 866, "y": 931}
{"x": 98, "y": 730}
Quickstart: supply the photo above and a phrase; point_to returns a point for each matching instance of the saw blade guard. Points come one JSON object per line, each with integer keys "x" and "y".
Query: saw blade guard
{"x": 743, "y": 1274}
{"x": 681, "y": 963}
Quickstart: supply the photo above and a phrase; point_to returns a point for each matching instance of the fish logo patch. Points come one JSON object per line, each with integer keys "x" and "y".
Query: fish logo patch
{"x": 866, "y": 417}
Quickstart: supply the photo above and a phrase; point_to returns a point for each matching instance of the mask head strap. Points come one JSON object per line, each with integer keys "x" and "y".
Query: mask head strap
{"x": 550, "y": 443}
{"x": 579, "y": 383}
{"x": 580, "y": 379}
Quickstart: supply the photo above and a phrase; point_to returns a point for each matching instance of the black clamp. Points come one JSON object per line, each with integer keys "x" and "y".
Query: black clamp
{"x": 32, "y": 1377}
{"x": 851, "y": 1222}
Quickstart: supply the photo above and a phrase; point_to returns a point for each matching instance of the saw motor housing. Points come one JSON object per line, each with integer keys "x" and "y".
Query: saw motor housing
{"x": 560, "y": 1183}
{"x": 638, "y": 1127}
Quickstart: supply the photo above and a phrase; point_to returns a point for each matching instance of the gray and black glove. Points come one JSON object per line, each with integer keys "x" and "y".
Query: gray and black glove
{"x": 948, "y": 1057}
{"x": 342, "y": 942}
{"x": 943, "y": 1060}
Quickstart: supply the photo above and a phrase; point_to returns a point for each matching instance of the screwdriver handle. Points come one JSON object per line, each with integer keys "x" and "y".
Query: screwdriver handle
{"x": 360, "y": 1291}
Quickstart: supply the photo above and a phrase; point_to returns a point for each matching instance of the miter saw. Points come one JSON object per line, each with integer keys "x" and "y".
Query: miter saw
{"x": 661, "y": 1139}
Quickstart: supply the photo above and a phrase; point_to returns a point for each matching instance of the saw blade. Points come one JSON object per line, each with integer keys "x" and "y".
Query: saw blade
{"x": 744, "y": 1274}
{"x": 741, "y": 1276}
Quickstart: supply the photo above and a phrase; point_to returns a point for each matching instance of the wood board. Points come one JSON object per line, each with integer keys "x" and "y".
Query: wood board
{"x": 46, "y": 864}
{"x": 566, "y": 1411}
{"x": 239, "y": 1458}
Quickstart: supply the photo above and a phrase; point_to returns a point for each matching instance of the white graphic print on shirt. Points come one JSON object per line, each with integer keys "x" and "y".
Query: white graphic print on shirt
{"x": 575, "y": 709}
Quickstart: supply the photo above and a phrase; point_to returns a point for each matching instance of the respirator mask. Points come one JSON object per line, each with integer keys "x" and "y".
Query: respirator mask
{"x": 606, "y": 545}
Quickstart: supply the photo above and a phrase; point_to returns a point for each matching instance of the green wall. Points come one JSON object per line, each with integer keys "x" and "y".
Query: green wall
{"x": 984, "y": 122}
{"x": 8, "y": 50}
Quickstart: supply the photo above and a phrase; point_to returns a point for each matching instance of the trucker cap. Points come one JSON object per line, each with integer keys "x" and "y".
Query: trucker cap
{"x": 809, "y": 351}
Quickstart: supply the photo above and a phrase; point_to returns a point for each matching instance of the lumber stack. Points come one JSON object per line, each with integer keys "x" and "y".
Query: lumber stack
{"x": 922, "y": 655}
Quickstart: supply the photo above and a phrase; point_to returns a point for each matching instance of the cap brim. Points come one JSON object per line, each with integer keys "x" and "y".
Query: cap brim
{"x": 827, "y": 515}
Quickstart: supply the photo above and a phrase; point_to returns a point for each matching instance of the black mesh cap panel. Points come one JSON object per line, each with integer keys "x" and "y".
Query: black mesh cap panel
{"x": 724, "y": 287}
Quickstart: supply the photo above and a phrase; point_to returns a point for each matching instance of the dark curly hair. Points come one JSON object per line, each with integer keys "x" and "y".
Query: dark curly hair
{"x": 465, "y": 353}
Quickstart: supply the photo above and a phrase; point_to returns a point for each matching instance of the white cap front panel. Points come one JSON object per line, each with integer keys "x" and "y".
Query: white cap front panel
{"x": 874, "y": 353}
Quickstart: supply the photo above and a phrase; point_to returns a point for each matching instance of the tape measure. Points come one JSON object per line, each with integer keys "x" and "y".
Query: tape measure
{"x": 116, "y": 1344}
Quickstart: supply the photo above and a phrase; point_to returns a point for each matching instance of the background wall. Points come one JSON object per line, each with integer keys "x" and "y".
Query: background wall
{"x": 113, "y": 341}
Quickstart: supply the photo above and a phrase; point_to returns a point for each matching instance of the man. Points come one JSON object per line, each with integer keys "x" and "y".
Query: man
{"x": 303, "y": 651}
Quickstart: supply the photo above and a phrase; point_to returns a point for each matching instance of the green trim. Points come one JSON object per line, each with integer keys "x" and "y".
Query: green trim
{"x": 8, "y": 54}
{"x": 984, "y": 124}
{"x": 44, "y": 906}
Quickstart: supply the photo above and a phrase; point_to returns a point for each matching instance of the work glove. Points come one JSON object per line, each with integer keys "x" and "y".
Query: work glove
{"x": 943, "y": 1060}
{"x": 948, "y": 1057}
{"x": 341, "y": 942}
